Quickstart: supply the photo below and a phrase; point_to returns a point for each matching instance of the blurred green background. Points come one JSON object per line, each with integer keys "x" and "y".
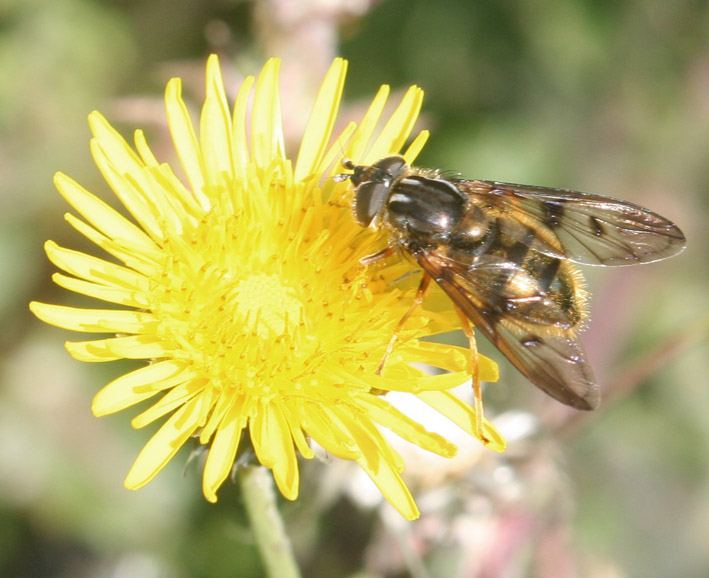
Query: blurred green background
{"x": 609, "y": 97}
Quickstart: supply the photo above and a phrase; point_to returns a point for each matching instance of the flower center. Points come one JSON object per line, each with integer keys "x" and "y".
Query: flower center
{"x": 265, "y": 306}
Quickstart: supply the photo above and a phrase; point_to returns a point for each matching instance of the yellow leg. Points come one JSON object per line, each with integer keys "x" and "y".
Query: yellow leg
{"x": 418, "y": 299}
{"x": 378, "y": 256}
{"x": 477, "y": 390}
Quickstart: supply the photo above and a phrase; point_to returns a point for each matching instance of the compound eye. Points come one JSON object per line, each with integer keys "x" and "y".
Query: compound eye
{"x": 369, "y": 201}
{"x": 393, "y": 166}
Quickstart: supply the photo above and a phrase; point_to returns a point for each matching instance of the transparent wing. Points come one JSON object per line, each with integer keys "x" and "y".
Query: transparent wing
{"x": 584, "y": 228}
{"x": 538, "y": 342}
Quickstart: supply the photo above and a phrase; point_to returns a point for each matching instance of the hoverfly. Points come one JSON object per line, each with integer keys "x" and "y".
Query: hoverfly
{"x": 505, "y": 255}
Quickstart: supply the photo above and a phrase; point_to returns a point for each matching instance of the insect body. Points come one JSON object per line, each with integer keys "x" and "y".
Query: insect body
{"x": 505, "y": 254}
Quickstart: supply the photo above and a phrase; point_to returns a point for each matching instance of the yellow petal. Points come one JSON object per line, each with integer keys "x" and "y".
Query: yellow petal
{"x": 135, "y": 199}
{"x": 91, "y": 351}
{"x": 179, "y": 395}
{"x": 456, "y": 359}
{"x": 323, "y": 430}
{"x": 285, "y": 464}
{"x": 296, "y": 432}
{"x": 131, "y": 347}
{"x": 322, "y": 120}
{"x": 140, "y": 347}
{"x": 215, "y": 130}
{"x": 382, "y": 412}
{"x": 185, "y": 139}
{"x": 141, "y": 258}
{"x": 463, "y": 416}
{"x": 267, "y": 432}
{"x": 365, "y": 130}
{"x": 140, "y": 384}
{"x": 399, "y": 126}
{"x": 130, "y": 179}
{"x": 416, "y": 146}
{"x": 126, "y": 297}
{"x": 392, "y": 487}
{"x": 226, "y": 403}
{"x": 163, "y": 175}
{"x": 117, "y": 150}
{"x": 240, "y": 144}
{"x": 266, "y": 125}
{"x": 220, "y": 460}
{"x": 383, "y": 465}
{"x": 103, "y": 217}
{"x": 94, "y": 269}
{"x": 369, "y": 439}
{"x": 163, "y": 446}
{"x": 95, "y": 320}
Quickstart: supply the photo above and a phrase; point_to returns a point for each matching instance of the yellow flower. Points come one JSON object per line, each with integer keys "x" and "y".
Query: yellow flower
{"x": 243, "y": 289}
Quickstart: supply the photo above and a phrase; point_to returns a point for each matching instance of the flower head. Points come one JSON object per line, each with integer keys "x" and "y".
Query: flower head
{"x": 242, "y": 288}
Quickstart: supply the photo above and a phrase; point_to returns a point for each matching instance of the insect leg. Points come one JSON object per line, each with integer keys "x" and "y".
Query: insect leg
{"x": 477, "y": 390}
{"x": 418, "y": 299}
{"x": 378, "y": 256}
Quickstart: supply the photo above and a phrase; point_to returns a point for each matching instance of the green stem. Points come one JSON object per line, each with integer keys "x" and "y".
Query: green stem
{"x": 266, "y": 522}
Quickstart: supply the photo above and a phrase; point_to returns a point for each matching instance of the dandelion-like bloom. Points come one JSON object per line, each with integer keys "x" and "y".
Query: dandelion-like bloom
{"x": 243, "y": 289}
